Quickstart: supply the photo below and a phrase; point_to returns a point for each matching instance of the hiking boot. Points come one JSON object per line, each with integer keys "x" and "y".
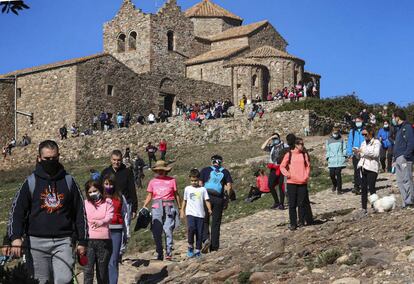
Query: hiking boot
{"x": 206, "y": 246}
{"x": 190, "y": 252}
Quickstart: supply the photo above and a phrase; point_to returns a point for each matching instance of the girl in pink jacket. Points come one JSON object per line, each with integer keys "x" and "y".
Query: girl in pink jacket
{"x": 296, "y": 167}
{"x": 99, "y": 212}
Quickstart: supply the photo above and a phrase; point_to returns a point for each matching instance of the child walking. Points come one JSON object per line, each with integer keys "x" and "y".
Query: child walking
{"x": 119, "y": 225}
{"x": 99, "y": 212}
{"x": 162, "y": 191}
{"x": 193, "y": 207}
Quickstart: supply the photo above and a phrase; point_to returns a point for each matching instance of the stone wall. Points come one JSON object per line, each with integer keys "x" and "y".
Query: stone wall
{"x": 170, "y": 18}
{"x": 6, "y": 112}
{"x": 267, "y": 36}
{"x": 50, "y": 96}
{"x": 211, "y": 72}
{"x": 206, "y": 27}
{"x": 127, "y": 21}
{"x": 177, "y": 133}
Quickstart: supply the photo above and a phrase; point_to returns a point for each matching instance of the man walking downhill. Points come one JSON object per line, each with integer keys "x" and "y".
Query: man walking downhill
{"x": 355, "y": 139}
{"x": 124, "y": 181}
{"x": 403, "y": 157}
{"x": 49, "y": 209}
{"x": 218, "y": 182}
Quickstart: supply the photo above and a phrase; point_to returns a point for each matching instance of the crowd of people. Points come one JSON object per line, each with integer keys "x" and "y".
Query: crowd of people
{"x": 49, "y": 215}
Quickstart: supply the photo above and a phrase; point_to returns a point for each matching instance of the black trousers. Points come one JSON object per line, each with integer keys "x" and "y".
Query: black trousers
{"x": 386, "y": 159}
{"x": 99, "y": 252}
{"x": 151, "y": 157}
{"x": 357, "y": 176}
{"x": 274, "y": 180}
{"x": 336, "y": 178}
{"x": 369, "y": 179}
{"x": 298, "y": 198}
{"x": 217, "y": 206}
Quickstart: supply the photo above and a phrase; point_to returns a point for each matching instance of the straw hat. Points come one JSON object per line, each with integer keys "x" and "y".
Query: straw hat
{"x": 161, "y": 166}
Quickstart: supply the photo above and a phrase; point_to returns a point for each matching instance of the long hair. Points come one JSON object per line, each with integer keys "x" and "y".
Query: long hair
{"x": 111, "y": 179}
{"x": 92, "y": 183}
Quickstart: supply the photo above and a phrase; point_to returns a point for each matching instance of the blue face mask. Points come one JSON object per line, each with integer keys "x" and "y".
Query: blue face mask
{"x": 394, "y": 122}
{"x": 358, "y": 124}
{"x": 275, "y": 142}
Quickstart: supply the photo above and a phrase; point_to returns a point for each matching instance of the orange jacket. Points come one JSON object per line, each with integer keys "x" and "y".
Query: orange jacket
{"x": 298, "y": 171}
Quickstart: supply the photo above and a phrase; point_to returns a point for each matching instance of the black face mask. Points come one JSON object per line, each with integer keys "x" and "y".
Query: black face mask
{"x": 51, "y": 167}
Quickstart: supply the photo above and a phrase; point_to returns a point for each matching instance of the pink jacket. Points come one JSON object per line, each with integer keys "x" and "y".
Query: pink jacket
{"x": 296, "y": 172}
{"x": 101, "y": 214}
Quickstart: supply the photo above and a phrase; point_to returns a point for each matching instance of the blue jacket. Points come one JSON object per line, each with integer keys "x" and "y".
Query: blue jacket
{"x": 354, "y": 140}
{"x": 404, "y": 141}
{"x": 384, "y": 137}
{"x": 336, "y": 152}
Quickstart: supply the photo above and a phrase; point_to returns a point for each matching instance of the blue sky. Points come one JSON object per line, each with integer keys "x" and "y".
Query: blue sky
{"x": 364, "y": 46}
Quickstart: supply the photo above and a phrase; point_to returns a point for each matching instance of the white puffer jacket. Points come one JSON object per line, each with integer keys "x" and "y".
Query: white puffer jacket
{"x": 369, "y": 155}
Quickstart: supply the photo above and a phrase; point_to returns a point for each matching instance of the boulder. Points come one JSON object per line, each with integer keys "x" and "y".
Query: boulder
{"x": 260, "y": 277}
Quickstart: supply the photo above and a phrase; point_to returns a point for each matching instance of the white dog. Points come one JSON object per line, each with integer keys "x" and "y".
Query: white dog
{"x": 384, "y": 204}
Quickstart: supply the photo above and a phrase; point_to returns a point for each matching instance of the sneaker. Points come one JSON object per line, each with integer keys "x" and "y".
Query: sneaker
{"x": 206, "y": 246}
{"x": 275, "y": 206}
{"x": 333, "y": 188}
{"x": 281, "y": 207}
{"x": 339, "y": 192}
{"x": 292, "y": 228}
{"x": 160, "y": 257}
{"x": 168, "y": 256}
{"x": 190, "y": 252}
{"x": 197, "y": 254}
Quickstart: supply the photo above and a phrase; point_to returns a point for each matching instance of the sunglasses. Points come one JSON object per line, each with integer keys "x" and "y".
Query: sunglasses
{"x": 364, "y": 134}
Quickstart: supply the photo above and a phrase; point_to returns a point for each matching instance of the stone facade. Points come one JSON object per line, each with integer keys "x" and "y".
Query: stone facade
{"x": 6, "y": 111}
{"x": 210, "y": 72}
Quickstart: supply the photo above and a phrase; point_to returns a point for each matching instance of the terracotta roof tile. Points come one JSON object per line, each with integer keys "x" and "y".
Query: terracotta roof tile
{"x": 269, "y": 51}
{"x": 215, "y": 55}
{"x": 238, "y": 31}
{"x": 53, "y": 65}
{"x": 243, "y": 62}
{"x": 208, "y": 9}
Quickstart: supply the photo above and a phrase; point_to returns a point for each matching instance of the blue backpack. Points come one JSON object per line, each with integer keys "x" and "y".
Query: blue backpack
{"x": 214, "y": 182}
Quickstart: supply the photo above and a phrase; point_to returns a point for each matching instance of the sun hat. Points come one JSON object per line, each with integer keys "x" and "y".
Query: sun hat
{"x": 161, "y": 166}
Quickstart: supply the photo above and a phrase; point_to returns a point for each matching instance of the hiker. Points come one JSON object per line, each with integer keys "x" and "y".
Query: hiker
{"x": 49, "y": 210}
{"x": 151, "y": 150}
{"x": 151, "y": 118}
{"x": 124, "y": 181}
{"x": 368, "y": 165}
{"x": 384, "y": 136}
{"x": 219, "y": 184}
{"x": 355, "y": 139}
{"x": 275, "y": 146}
{"x": 296, "y": 167}
{"x": 102, "y": 118}
{"x": 99, "y": 213}
{"x": 63, "y": 131}
{"x": 195, "y": 198}
{"x": 166, "y": 202}
{"x": 403, "y": 156}
{"x": 336, "y": 157}
{"x": 262, "y": 186}
{"x": 127, "y": 157}
{"x": 242, "y": 103}
{"x": 163, "y": 148}
{"x": 118, "y": 226}
{"x": 138, "y": 169}
{"x": 120, "y": 120}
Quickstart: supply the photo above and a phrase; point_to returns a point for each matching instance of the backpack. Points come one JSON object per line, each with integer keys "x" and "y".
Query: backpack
{"x": 215, "y": 179}
{"x": 31, "y": 180}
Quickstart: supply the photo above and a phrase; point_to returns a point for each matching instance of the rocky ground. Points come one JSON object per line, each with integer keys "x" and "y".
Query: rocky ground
{"x": 345, "y": 247}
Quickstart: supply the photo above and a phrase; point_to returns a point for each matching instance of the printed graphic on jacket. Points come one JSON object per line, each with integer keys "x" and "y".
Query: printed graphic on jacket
{"x": 51, "y": 200}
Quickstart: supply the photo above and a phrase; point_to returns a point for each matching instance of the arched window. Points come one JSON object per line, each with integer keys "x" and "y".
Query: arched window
{"x": 254, "y": 81}
{"x": 121, "y": 43}
{"x": 132, "y": 41}
{"x": 171, "y": 43}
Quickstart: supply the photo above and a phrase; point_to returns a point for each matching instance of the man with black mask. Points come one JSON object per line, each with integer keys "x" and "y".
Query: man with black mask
{"x": 48, "y": 210}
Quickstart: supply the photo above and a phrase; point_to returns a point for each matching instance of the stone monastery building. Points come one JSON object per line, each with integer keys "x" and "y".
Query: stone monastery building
{"x": 148, "y": 62}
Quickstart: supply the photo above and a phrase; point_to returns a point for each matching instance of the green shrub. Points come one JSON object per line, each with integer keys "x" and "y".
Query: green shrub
{"x": 244, "y": 277}
{"x": 327, "y": 257}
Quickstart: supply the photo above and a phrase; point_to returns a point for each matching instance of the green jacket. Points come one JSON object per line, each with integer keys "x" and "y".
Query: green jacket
{"x": 336, "y": 152}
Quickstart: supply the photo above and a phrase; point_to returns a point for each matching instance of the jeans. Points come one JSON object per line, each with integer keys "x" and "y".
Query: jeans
{"x": 386, "y": 159}
{"x": 404, "y": 174}
{"x": 52, "y": 259}
{"x": 195, "y": 227}
{"x": 164, "y": 219}
{"x": 357, "y": 174}
{"x": 99, "y": 253}
{"x": 217, "y": 206}
{"x": 297, "y": 194}
{"x": 116, "y": 237}
{"x": 336, "y": 178}
{"x": 369, "y": 179}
